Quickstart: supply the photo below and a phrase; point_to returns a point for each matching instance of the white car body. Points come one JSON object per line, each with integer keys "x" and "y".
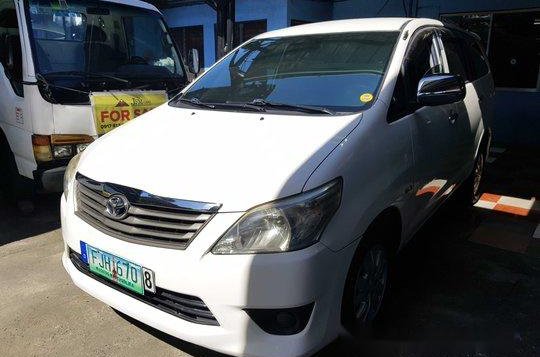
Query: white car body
{"x": 241, "y": 160}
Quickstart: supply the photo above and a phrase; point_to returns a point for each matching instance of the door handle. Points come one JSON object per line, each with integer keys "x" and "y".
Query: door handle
{"x": 453, "y": 116}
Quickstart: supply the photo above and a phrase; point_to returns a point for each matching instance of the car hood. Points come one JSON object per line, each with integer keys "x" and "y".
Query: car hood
{"x": 235, "y": 159}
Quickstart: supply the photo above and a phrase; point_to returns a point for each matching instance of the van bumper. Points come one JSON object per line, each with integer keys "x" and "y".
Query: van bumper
{"x": 50, "y": 180}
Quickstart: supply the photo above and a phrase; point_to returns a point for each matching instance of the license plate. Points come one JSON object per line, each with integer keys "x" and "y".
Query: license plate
{"x": 119, "y": 270}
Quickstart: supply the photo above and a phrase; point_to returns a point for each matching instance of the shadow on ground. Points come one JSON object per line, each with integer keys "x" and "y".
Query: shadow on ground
{"x": 15, "y": 225}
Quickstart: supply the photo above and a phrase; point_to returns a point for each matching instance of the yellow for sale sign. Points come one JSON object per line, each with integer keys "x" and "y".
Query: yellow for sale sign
{"x": 112, "y": 109}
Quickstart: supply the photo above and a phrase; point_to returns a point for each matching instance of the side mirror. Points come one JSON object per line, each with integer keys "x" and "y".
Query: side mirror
{"x": 193, "y": 61}
{"x": 440, "y": 89}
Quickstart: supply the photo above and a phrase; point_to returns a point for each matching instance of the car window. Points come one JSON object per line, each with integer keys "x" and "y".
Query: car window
{"x": 423, "y": 57}
{"x": 454, "y": 55}
{"x": 479, "y": 61}
{"x": 475, "y": 59}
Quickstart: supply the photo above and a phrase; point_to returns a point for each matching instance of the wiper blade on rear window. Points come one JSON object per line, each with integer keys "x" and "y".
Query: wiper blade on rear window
{"x": 303, "y": 108}
{"x": 88, "y": 74}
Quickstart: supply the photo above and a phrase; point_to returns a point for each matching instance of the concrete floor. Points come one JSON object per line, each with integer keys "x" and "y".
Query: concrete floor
{"x": 451, "y": 296}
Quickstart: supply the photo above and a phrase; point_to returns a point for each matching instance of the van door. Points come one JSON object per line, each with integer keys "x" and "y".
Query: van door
{"x": 12, "y": 121}
{"x": 429, "y": 126}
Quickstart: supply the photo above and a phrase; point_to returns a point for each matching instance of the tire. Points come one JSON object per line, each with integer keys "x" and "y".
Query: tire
{"x": 470, "y": 191}
{"x": 367, "y": 284}
{"x": 16, "y": 188}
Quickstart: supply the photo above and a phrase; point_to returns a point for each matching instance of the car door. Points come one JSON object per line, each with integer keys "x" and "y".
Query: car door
{"x": 466, "y": 113}
{"x": 429, "y": 126}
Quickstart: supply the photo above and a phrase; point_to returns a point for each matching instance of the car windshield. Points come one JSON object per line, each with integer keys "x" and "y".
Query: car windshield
{"x": 338, "y": 72}
{"x": 75, "y": 36}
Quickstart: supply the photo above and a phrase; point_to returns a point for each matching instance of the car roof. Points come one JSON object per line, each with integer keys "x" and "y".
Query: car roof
{"x": 135, "y": 3}
{"x": 386, "y": 24}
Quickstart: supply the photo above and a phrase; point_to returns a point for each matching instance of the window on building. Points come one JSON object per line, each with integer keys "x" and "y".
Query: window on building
{"x": 187, "y": 38}
{"x": 245, "y": 30}
{"x": 515, "y": 49}
{"x": 512, "y": 42}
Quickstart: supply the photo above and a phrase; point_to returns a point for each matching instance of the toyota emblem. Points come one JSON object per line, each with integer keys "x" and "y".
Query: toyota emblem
{"x": 117, "y": 206}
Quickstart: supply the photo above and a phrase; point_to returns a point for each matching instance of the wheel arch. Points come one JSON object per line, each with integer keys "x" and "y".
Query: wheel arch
{"x": 387, "y": 227}
{"x": 484, "y": 143}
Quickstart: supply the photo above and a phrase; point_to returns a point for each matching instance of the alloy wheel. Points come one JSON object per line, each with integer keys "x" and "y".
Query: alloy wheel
{"x": 477, "y": 178}
{"x": 370, "y": 284}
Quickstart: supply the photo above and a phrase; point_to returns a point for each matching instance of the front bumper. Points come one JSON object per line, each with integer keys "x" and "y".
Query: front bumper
{"x": 49, "y": 176}
{"x": 227, "y": 284}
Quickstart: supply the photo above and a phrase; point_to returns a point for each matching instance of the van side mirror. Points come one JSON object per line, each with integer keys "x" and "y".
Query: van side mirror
{"x": 193, "y": 61}
{"x": 440, "y": 89}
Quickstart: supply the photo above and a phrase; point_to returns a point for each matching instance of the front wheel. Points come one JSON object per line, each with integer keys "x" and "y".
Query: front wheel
{"x": 366, "y": 286}
{"x": 469, "y": 193}
{"x": 17, "y": 190}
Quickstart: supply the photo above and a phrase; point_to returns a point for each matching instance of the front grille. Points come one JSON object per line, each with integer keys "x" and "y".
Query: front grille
{"x": 150, "y": 219}
{"x": 186, "y": 307}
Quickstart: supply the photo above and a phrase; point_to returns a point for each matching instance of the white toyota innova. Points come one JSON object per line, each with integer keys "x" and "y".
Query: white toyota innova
{"x": 257, "y": 212}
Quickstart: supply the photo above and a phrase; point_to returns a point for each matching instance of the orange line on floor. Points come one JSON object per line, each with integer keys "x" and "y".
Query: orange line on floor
{"x": 511, "y": 209}
{"x": 490, "y": 197}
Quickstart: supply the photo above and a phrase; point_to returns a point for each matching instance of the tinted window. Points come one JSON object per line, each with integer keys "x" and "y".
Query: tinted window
{"x": 10, "y": 46}
{"x": 479, "y": 63}
{"x": 422, "y": 58}
{"x": 454, "y": 55}
{"x": 331, "y": 70}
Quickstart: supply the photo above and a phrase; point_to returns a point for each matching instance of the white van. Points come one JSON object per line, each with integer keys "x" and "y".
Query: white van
{"x": 258, "y": 212}
{"x": 71, "y": 71}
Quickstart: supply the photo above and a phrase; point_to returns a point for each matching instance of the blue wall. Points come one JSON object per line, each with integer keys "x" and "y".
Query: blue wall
{"x": 194, "y": 16}
{"x": 274, "y": 11}
{"x": 312, "y": 11}
{"x": 426, "y": 8}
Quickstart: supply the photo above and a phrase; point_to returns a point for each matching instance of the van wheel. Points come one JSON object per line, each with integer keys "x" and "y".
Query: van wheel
{"x": 365, "y": 287}
{"x": 17, "y": 190}
{"x": 469, "y": 193}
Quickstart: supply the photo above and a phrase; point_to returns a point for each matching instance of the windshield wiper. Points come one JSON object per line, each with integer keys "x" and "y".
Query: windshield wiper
{"x": 48, "y": 85}
{"x": 303, "y": 108}
{"x": 244, "y": 106}
{"x": 241, "y": 106}
{"x": 88, "y": 74}
{"x": 196, "y": 102}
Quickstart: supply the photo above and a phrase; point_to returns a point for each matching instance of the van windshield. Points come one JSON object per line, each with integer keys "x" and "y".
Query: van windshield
{"x": 101, "y": 38}
{"x": 335, "y": 72}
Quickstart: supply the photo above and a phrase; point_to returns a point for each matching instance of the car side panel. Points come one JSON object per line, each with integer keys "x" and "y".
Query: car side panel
{"x": 376, "y": 163}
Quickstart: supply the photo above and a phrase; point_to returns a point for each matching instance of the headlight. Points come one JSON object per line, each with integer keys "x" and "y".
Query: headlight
{"x": 62, "y": 151}
{"x": 288, "y": 224}
{"x": 70, "y": 173}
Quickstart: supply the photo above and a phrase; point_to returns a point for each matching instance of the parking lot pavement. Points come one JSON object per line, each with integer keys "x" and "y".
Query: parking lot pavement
{"x": 467, "y": 285}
